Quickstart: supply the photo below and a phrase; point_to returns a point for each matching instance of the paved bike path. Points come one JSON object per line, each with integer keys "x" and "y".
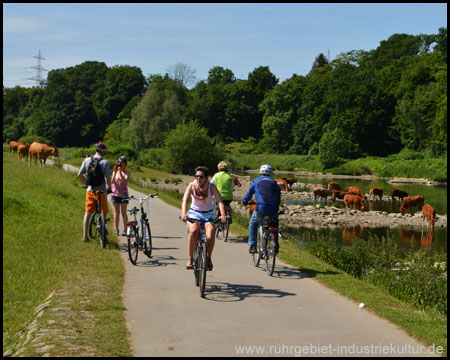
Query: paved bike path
{"x": 288, "y": 313}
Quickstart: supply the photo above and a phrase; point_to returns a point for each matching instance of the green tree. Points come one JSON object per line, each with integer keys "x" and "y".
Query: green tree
{"x": 188, "y": 146}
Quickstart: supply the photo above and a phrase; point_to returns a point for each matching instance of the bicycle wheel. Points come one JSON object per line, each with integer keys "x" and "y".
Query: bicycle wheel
{"x": 148, "y": 240}
{"x": 202, "y": 269}
{"x": 102, "y": 231}
{"x": 133, "y": 246}
{"x": 256, "y": 258}
{"x": 196, "y": 267}
{"x": 270, "y": 253}
{"x": 93, "y": 226}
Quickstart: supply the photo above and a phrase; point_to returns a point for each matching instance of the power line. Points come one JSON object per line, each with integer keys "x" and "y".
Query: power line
{"x": 38, "y": 78}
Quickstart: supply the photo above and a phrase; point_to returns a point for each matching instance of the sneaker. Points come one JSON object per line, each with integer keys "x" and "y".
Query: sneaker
{"x": 86, "y": 239}
{"x": 124, "y": 233}
{"x": 116, "y": 232}
{"x": 252, "y": 249}
{"x": 189, "y": 265}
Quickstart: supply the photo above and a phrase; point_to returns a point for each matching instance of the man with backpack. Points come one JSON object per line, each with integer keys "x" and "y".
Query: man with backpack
{"x": 96, "y": 169}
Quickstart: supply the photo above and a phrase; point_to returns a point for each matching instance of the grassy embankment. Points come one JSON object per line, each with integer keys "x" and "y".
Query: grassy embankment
{"x": 43, "y": 256}
{"x": 398, "y": 165}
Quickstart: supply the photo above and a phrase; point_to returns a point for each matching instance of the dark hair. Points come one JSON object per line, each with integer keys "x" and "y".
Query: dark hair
{"x": 203, "y": 169}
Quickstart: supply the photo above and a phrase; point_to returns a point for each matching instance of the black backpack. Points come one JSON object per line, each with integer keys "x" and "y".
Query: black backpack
{"x": 95, "y": 175}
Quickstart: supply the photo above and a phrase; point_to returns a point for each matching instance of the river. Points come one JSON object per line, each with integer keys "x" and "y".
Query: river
{"x": 408, "y": 238}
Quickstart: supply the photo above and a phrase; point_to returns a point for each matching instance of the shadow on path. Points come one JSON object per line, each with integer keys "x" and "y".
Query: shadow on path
{"x": 226, "y": 292}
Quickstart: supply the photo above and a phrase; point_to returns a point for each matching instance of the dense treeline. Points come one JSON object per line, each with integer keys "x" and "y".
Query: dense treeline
{"x": 363, "y": 103}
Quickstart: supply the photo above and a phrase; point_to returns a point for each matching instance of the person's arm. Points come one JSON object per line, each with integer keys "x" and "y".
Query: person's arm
{"x": 186, "y": 197}
{"x": 249, "y": 194}
{"x": 81, "y": 173}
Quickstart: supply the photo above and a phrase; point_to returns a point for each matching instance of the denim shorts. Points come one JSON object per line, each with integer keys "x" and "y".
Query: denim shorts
{"x": 201, "y": 215}
{"x": 119, "y": 200}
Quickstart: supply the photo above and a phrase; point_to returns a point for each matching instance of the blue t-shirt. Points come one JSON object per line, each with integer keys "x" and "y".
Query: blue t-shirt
{"x": 267, "y": 194}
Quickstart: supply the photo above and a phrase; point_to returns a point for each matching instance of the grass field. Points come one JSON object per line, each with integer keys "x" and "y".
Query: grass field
{"x": 44, "y": 258}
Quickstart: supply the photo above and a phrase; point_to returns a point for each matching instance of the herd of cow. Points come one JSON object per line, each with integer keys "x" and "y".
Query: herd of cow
{"x": 35, "y": 150}
{"x": 355, "y": 198}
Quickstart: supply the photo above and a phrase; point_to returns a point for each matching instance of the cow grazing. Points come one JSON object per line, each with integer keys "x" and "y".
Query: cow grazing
{"x": 290, "y": 181}
{"x": 412, "y": 201}
{"x": 333, "y": 185}
{"x": 398, "y": 193}
{"x": 355, "y": 201}
{"x": 13, "y": 146}
{"x": 22, "y": 150}
{"x": 320, "y": 192}
{"x": 376, "y": 191}
{"x": 236, "y": 181}
{"x": 429, "y": 213}
{"x": 41, "y": 152}
{"x": 282, "y": 184}
{"x": 338, "y": 194}
{"x": 354, "y": 190}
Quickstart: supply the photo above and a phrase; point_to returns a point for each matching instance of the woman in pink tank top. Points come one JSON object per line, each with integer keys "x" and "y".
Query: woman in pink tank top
{"x": 119, "y": 181}
{"x": 201, "y": 193}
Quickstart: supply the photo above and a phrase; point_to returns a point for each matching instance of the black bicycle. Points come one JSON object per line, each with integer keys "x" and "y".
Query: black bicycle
{"x": 139, "y": 235}
{"x": 97, "y": 223}
{"x": 200, "y": 260}
{"x": 224, "y": 228}
{"x": 266, "y": 240}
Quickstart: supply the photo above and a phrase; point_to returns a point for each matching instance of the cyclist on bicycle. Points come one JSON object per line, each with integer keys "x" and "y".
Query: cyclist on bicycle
{"x": 91, "y": 197}
{"x": 201, "y": 192}
{"x": 224, "y": 183}
{"x": 268, "y": 196}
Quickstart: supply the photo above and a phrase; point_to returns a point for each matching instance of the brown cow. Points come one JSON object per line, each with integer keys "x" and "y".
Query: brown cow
{"x": 355, "y": 200}
{"x": 290, "y": 181}
{"x": 338, "y": 194}
{"x": 412, "y": 201}
{"x": 429, "y": 213}
{"x": 398, "y": 193}
{"x": 236, "y": 181}
{"x": 321, "y": 192}
{"x": 251, "y": 208}
{"x": 41, "y": 152}
{"x": 23, "y": 149}
{"x": 354, "y": 190}
{"x": 282, "y": 184}
{"x": 333, "y": 185}
{"x": 376, "y": 191}
{"x": 13, "y": 146}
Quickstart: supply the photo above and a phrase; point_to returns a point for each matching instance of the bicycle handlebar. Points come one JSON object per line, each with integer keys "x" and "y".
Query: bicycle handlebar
{"x": 141, "y": 199}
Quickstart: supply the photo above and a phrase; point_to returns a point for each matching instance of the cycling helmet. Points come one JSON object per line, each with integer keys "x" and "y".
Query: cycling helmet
{"x": 266, "y": 170}
{"x": 122, "y": 159}
{"x": 100, "y": 147}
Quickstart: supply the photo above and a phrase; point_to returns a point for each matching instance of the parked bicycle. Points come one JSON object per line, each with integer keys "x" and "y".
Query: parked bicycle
{"x": 223, "y": 229}
{"x": 97, "y": 223}
{"x": 267, "y": 233}
{"x": 139, "y": 235}
{"x": 200, "y": 257}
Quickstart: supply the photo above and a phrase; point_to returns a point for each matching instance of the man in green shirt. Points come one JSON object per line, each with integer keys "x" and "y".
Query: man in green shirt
{"x": 224, "y": 183}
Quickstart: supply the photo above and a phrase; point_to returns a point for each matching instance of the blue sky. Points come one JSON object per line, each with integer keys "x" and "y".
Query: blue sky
{"x": 237, "y": 36}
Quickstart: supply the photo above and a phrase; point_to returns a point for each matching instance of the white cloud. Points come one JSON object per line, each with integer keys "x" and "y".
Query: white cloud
{"x": 21, "y": 25}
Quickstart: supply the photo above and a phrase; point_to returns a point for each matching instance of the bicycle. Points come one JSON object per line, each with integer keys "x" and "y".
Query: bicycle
{"x": 267, "y": 233}
{"x": 224, "y": 228}
{"x": 97, "y": 223}
{"x": 200, "y": 257}
{"x": 134, "y": 239}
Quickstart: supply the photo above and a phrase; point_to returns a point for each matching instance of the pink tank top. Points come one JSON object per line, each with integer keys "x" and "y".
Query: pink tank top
{"x": 122, "y": 189}
{"x": 205, "y": 204}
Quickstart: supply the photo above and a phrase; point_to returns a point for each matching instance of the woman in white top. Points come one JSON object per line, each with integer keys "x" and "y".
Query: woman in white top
{"x": 201, "y": 193}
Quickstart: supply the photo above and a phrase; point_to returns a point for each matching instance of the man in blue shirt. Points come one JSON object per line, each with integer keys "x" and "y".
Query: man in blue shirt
{"x": 268, "y": 196}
